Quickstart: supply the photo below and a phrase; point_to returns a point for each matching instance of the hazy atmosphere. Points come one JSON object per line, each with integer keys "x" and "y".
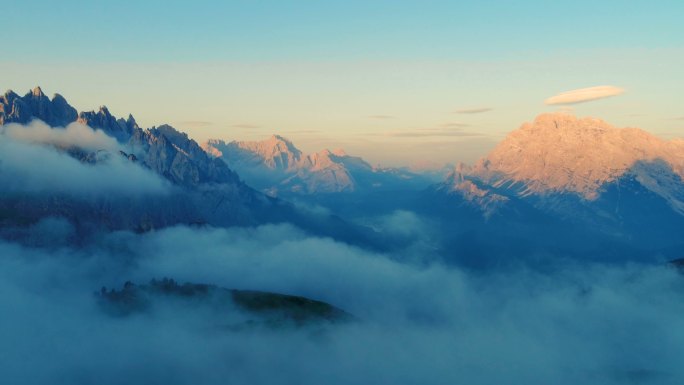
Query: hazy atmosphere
{"x": 396, "y": 83}
{"x": 293, "y": 192}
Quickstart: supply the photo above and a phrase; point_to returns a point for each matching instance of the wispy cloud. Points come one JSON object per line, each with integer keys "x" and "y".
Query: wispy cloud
{"x": 473, "y": 110}
{"x": 30, "y": 163}
{"x": 73, "y": 135}
{"x": 381, "y": 117}
{"x": 584, "y": 95}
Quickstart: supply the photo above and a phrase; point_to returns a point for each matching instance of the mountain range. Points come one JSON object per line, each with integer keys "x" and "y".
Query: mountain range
{"x": 559, "y": 154}
{"x": 277, "y": 166}
{"x": 560, "y": 184}
{"x": 204, "y": 190}
{"x": 585, "y": 183}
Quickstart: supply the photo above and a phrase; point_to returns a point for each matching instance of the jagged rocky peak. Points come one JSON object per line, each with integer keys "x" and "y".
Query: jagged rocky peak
{"x": 338, "y": 159}
{"x": 9, "y": 96}
{"x": 172, "y": 134}
{"x": 57, "y": 112}
{"x": 131, "y": 121}
{"x": 279, "y": 138}
{"x": 559, "y": 152}
{"x": 37, "y": 92}
{"x": 120, "y": 129}
{"x": 181, "y": 141}
{"x": 35, "y": 105}
{"x": 458, "y": 174}
{"x": 320, "y": 160}
{"x": 59, "y": 100}
{"x": 281, "y": 144}
{"x": 180, "y": 159}
{"x": 163, "y": 149}
{"x": 276, "y": 152}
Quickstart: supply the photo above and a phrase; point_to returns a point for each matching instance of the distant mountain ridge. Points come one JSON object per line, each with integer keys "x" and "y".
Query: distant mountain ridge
{"x": 204, "y": 189}
{"x": 621, "y": 182}
{"x": 36, "y": 105}
{"x": 559, "y": 153}
{"x": 163, "y": 149}
{"x": 557, "y": 185}
{"x": 277, "y": 166}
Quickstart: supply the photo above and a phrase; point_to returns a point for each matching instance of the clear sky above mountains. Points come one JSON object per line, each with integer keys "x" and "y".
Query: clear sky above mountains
{"x": 393, "y": 81}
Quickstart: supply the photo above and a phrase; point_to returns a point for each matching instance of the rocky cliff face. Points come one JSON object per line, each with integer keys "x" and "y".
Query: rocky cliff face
{"x": 120, "y": 129}
{"x": 562, "y": 153}
{"x": 620, "y": 182}
{"x": 162, "y": 149}
{"x": 178, "y": 158}
{"x": 202, "y": 188}
{"x": 35, "y": 105}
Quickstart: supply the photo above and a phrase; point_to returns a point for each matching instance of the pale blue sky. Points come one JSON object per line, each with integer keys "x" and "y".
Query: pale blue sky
{"x": 381, "y": 78}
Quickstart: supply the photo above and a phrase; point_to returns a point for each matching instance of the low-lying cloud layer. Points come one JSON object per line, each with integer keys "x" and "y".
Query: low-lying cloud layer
{"x": 584, "y": 95}
{"x": 420, "y": 324}
{"x": 419, "y": 321}
{"x": 73, "y": 135}
{"x": 30, "y": 163}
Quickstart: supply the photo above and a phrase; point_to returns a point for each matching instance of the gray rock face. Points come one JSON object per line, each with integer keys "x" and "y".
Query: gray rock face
{"x": 118, "y": 128}
{"x": 35, "y": 105}
{"x": 202, "y": 189}
{"x": 178, "y": 158}
{"x": 163, "y": 149}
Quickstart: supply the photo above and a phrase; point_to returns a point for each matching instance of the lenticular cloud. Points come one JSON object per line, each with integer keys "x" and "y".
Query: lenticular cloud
{"x": 584, "y": 95}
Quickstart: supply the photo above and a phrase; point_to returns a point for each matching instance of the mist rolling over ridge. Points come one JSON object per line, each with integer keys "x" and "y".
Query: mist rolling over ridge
{"x": 466, "y": 278}
{"x": 334, "y": 193}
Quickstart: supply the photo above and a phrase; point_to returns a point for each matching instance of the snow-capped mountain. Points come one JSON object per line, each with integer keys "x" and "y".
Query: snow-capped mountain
{"x": 561, "y": 153}
{"x": 277, "y": 166}
{"x": 619, "y": 181}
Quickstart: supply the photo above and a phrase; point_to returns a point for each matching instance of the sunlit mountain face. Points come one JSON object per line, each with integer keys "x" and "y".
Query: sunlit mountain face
{"x": 140, "y": 245}
{"x": 358, "y": 192}
{"x": 576, "y": 186}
